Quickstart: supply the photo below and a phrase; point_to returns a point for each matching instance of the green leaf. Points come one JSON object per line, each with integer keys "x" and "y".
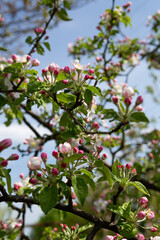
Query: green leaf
{"x": 84, "y": 228}
{"x": 138, "y": 117}
{"x": 94, "y": 90}
{"x": 3, "y": 49}
{"x": 2, "y": 101}
{"x": 109, "y": 113}
{"x": 114, "y": 168}
{"x": 40, "y": 49}
{"x": 72, "y": 158}
{"x": 47, "y": 45}
{"x": 48, "y": 198}
{"x": 139, "y": 186}
{"x": 8, "y": 179}
{"x": 67, "y": 4}
{"x": 66, "y": 97}
{"x": 89, "y": 181}
{"x": 80, "y": 187}
{"x": 88, "y": 96}
{"x": 62, "y": 14}
{"x": 106, "y": 174}
{"x": 59, "y": 86}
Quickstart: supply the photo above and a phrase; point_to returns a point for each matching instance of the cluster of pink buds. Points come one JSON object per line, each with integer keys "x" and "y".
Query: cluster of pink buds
{"x": 69, "y": 232}
{"x": 39, "y": 30}
{"x": 126, "y": 171}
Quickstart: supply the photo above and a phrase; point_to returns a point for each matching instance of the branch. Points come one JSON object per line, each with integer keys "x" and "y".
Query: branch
{"x": 96, "y": 228}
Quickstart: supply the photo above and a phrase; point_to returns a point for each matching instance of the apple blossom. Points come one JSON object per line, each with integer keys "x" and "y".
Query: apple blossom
{"x": 34, "y": 163}
{"x": 154, "y": 229}
{"x": 143, "y": 200}
{"x": 14, "y": 156}
{"x": 141, "y": 214}
{"x": 109, "y": 237}
{"x": 78, "y": 66}
{"x": 35, "y": 62}
{"x": 127, "y": 92}
{"x": 4, "y": 163}
{"x": 64, "y": 148}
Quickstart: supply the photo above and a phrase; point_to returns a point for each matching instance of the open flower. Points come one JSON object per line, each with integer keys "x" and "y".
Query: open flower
{"x": 78, "y": 66}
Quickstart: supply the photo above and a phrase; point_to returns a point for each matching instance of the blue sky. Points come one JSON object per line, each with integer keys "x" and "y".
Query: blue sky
{"x": 84, "y": 24}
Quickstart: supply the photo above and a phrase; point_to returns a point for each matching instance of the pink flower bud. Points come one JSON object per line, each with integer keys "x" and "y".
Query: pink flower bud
{"x": 151, "y": 155}
{"x": 128, "y": 101}
{"x": 63, "y": 165}
{"x": 140, "y": 237}
{"x": 56, "y": 72}
{"x": 81, "y": 141}
{"x": 95, "y": 125}
{"x": 139, "y": 100}
{"x": 4, "y": 163}
{"x": 55, "y": 154}
{"x": 43, "y": 92}
{"x": 151, "y": 215}
{"x": 52, "y": 67}
{"x": 34, "y": 163}
{"x": 128, "y": 166}
{"x": 16, "y": 186}
{"x": 141, "y": 214}
{"x": 44, "y": 156}
{"x": 80, "y": 151}
{"x": 75, "y": 150}
{"x": 28, "y": 57}
{"x": 44, "y": 71}
{"x": 14, "y": 57}
{"x": 65, "y": 81}
{"x": 154, "y": 229}
{"x": 21, "y": 175}
{"x": 91, "y": 77}
{"x": 86, "y": 77}
{"x": 100, "y": 149}
{"x": 35, "y": 62}
{"x": 66, "y": 69}
{"x": 55, "y": 229}
{"x": 134, "y": 171}
{"x": 33, "y": 181}
{"x": 73, "y": 195}
{"x": 64, "y": 148}
{"x": 5, "y": 144}
{"x": 115, "y": 99}
{"x": 14, "y": 156}
{"x": 109, "y": 237}
{"x": 143, "y": 200}
{"x": 91, "y": 71}
{"x": 104, "y": 155}
{"x": 55, "y": 172}
{"x": 39, "y": 175}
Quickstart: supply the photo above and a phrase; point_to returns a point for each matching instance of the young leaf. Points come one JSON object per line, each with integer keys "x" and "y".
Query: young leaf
{"x": 48, "y": 198}
{"x": 114, "y": 167}
{"x": 47, "y": 45}
{"x": 62, "y": 14}
{"x": 139, "y": 117}
{"x": 88, "y": 96}
{"x": 94, "y": 90}
{"x": 80, "y": 187}
{"x": 71, "y": 158}
{"x": 139, "y": 186}
{"x": 106, "y": 174}
{"x": 109, "y": 113}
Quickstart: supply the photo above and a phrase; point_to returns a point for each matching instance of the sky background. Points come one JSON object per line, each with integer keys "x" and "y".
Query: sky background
{"x": 85, "y": 20}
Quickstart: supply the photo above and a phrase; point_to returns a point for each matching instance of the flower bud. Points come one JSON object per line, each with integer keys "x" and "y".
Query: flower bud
{"x": 5, "y": 144}
{"x": 4, "y": 163}
{"x": 35, "y": 62}
{"x": 63, "y": 165}
{"x": 140, "y": 237}
{"x": 75, "y": 150}
{"x": 154, "y": 229}
{"x": 86, "y": 77}
{"x": 14, "y": 156}
{"x": 34, "y": 163}
{"x": 91, "y": 71}
{"x": 33, "y": 181}
{"x": 56, "y": 72}
{"x": 139, "y": 100}
{"x": 95, "y": 125}
{"x": 115, "y": 99}
{"x": 64, "y": 148}
{"x": 109, "y": 237}
{"x": 128, "y": 101}
{"x": 66, "y": 69}
{"x": 141, "y": 214}
{"x": 65, "y": 81}
{"x": 55, "y": 172}
{"x": 143, "y": 200}
{"x": 55, "y": 154}
{"x": 44, "y": 156}
{"x": 151, "y": 215}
